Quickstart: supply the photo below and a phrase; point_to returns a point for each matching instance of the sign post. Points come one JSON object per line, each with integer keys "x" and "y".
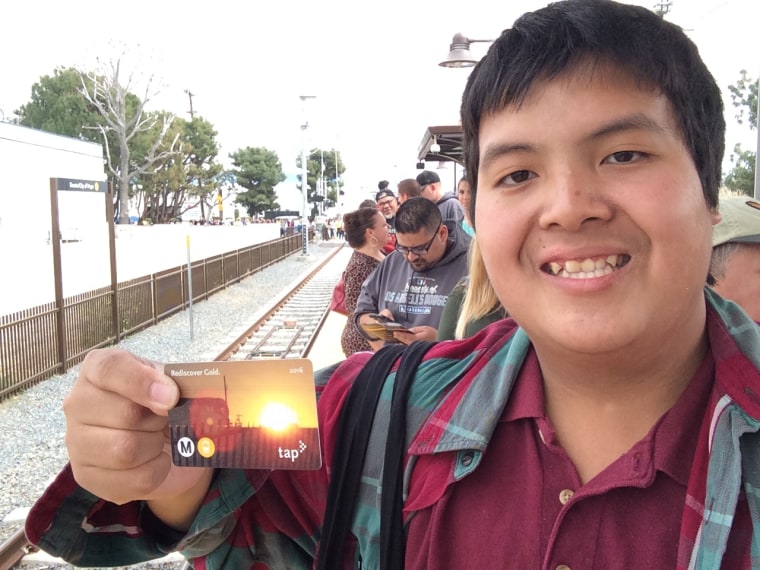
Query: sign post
{"x": 74, "y": 185}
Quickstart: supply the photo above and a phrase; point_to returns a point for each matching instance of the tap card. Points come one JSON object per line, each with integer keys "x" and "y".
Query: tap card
{"x": 252, "y": 414}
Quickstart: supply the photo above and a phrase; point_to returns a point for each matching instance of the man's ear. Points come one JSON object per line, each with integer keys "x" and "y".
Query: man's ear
{"x": 715, "y": 216}
{"x": 445, "y": 232}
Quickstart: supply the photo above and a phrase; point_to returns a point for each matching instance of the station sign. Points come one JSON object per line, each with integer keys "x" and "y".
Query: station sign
{"x": 81, "y": 185}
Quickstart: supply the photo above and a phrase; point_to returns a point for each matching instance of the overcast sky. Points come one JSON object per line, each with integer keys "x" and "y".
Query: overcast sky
{"x": 373, "y": 67}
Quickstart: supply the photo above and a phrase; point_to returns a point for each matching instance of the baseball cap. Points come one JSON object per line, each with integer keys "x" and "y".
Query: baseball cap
{"x": 740, "y": 221}
{"x": 383, "y": 194}
{"x": 427, "y": 177}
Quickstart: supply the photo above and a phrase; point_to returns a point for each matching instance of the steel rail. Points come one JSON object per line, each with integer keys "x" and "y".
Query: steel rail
{"x": 241, "y": 340}
{"x": 14, "y": 549}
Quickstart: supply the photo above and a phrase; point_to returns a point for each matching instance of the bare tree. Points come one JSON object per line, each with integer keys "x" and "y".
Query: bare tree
{"x": 106, "y": 92}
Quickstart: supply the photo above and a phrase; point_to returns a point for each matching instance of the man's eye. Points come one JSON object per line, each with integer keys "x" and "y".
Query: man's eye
{"x": 519, "y": 177}
{"x": 623, "y": 157}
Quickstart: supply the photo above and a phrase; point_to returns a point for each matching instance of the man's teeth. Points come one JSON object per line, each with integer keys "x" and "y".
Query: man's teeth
{"x": 588, "y": 267}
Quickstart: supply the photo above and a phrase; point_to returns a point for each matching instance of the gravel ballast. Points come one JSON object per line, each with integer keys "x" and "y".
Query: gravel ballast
{"x": 33, "y": 424}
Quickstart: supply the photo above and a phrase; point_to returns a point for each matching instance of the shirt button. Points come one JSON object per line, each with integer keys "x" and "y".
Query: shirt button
{"x": 564, "y": 496}
{"x": 563, "y": 567}
{"x": 467, "y": 459}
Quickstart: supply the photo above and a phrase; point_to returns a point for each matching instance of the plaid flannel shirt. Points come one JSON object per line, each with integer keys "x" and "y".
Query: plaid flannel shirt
{"x": 259, "y": 519}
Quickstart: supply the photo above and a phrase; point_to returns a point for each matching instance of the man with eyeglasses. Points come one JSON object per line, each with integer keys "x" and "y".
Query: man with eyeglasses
{"x": 411, "y": 285}
{"x": 387, "y": 204}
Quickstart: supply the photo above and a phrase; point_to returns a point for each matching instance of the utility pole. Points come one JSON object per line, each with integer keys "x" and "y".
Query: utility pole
{"x": 190, "y": 96}
{"x": 337, "y": 183}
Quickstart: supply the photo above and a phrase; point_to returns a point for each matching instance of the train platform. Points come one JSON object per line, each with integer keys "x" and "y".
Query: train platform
{"x": 326, "y": 349}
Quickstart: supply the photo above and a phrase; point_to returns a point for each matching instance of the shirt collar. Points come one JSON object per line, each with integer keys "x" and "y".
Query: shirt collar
{"x": 670, "y": 442}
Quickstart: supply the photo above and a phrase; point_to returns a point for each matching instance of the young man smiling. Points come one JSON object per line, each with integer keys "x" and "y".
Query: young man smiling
{"x": 613, "y": 422}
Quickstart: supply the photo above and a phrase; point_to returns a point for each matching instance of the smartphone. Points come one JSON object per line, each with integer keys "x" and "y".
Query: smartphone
{"x": 383, "y": 328}
{"x": 380, "y": 318}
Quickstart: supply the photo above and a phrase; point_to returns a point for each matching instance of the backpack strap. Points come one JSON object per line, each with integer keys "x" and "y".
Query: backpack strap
{"x": 392, "y": 536}
{"x": 355, "y": 427}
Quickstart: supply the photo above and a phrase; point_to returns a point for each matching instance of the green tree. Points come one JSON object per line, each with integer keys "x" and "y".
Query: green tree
{"x": 183, "y": 179}
{"x": 159, "y": 192}
{"x": 258, "y": 170}
{"x": 315, "y": 175}
{"x": 741, "y": 178}
{"x": 200, "y": 149}
{"x": 58, "y": 106}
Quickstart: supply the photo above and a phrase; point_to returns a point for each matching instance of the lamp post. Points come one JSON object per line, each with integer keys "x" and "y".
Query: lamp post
{"x": 459, "y": 52}
{"x": 304, "y": 183}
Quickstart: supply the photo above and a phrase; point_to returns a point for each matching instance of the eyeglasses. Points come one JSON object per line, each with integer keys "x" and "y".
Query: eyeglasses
{"x": 417, "y": 249}
{"x": 385, "y": 203}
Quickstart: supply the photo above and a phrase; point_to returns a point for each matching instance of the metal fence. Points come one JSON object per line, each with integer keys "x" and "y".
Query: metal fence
{"x": 48, "y": 339}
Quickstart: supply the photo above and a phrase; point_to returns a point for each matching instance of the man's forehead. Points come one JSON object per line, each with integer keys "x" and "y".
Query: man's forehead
{"x": 413, "y": 239}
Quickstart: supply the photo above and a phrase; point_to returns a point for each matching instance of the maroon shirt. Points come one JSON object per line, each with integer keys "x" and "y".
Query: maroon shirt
{"x": 628, "y": 516}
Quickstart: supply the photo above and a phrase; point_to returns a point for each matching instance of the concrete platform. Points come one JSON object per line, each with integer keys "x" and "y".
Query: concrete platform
{"x": 326, "y": 349}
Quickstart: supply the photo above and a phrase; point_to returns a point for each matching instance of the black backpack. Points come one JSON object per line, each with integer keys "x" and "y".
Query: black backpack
{"x": 355, "y": 424}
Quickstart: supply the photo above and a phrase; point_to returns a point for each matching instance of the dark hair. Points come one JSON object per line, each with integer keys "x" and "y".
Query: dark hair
{"x": 409, "y": 187}
{"x": 658, "y": 54}
{"x": 356, "y": 223}
{"x": 368, "y": 204}
{"x": 415, "y": 214}
{"x": 382, "y": 185}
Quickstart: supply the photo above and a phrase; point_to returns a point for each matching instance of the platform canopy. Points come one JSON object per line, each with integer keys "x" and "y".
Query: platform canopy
{"x": 449, "y": 138}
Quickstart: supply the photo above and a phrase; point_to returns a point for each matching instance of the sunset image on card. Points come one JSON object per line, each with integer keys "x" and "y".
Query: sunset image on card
{"x": 253, "y": 414}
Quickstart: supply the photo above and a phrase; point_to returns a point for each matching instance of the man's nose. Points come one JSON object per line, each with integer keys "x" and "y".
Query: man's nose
{"x": 574, "y": 198}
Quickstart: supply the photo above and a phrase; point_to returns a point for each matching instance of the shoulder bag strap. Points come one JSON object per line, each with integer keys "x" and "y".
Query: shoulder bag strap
{"x": 392, "y": 536}
{"x": 355, "y": 426}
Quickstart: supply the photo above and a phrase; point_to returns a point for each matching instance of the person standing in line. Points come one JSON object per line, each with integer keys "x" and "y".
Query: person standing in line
{"x": 735, "y": 262}
{"x": 387, "y": 204}
{"x": 407, "y": 188}
{"x": 472, "y": 304}
{"x": 463, "y": 194}
{"x": 451, "y": 210}
{"x": 366, "y": 232}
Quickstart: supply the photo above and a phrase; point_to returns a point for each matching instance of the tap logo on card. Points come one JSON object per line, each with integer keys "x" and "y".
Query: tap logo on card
{"x": 253, "y": 414}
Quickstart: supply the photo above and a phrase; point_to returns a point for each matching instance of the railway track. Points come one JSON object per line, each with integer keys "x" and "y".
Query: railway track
{"x": 287, "y": 329}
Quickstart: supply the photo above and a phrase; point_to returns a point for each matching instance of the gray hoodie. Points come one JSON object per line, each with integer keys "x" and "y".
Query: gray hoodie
{"x": 414, "y": 298}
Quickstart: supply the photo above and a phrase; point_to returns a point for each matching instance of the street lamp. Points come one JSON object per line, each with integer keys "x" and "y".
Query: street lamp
{"x": 459, "y": 52}
{"x": 304, "y": 186}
